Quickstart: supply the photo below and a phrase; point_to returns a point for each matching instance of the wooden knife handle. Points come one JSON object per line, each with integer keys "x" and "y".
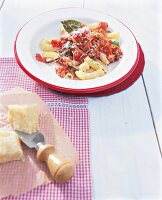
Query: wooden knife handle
{"x": 59, "y": 168}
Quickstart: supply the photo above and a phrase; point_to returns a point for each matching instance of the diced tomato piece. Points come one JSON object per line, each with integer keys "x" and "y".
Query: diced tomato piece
{"x": 78, "y": 37}
{"x": 56, "y": 43}
{"x": 83, "y": 56}
{"x": 62, "y": 71}
{"x": 65, "y": 61}
{"x": 78, "y": 55}
{"x": 103, "y": 25}
{"x": 111, "y": 58}
{"x": 82, "y": 25}
{"x": 40, "y": 58}
{"x": 63, "y": 40}
{"x": 94, "y": 53}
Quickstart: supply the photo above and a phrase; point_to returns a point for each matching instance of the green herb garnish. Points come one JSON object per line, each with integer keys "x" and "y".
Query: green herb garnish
{"x": 71, "y": 25}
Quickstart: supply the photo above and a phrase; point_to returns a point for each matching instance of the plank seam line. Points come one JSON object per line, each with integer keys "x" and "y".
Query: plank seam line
{"x": 152, "y": 116}
{"x": 2, "y": 4}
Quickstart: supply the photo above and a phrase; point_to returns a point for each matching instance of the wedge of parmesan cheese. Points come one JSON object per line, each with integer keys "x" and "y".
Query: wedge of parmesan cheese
{"x": 24, "y": 117}
{"x": 10, "y": 147}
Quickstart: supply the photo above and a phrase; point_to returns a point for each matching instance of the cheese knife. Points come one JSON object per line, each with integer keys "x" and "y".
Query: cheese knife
{"x": 60, "y": 169}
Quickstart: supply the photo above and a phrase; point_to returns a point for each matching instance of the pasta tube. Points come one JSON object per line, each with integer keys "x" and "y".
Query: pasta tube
{"x": 69, "y": 76}
{"x": 84, "y": 66}
{"x": 104, "y": 67}
{"x": 87, "y": 76}
{"x": 93, "y": 26}
{"x": 104, "y": 58}
{"x": 51, "y": 54}
{"x": 113, "y": 35}
{"x": 93, "y": 64}
{"x": 45, "y": 45}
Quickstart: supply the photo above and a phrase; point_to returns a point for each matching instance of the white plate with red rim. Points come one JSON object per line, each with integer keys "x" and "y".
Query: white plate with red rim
{"x": 47, "y": 25}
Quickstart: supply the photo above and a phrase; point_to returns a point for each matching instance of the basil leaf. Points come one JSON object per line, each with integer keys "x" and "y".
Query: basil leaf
{"x": 71, "y": 25}
{"x": 116, "y": 42}
{"x": 94, "y": 58}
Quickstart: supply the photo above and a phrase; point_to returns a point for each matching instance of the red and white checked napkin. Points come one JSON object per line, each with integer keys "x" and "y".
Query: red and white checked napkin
{"x": 72, "y": 114}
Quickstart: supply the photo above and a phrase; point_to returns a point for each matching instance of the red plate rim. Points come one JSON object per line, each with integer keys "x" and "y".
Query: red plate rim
{"x": 76, "y": 91}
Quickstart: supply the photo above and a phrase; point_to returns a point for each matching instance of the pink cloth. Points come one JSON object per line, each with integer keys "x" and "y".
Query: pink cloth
{"x": 72, "y": 114}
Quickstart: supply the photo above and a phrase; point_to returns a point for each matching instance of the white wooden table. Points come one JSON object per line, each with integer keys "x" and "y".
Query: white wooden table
{"x": 126, "y": 128}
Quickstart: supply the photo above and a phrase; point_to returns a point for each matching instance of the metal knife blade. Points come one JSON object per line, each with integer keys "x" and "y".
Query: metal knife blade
{"x": 34, "y": 140}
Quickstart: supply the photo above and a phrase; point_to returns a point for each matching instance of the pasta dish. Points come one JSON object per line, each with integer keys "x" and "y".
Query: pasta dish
{"x": 83, "y": 51}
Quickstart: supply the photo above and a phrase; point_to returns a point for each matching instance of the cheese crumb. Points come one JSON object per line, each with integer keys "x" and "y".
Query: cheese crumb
{"x": 10, "y": 147}
{"x": 24, "y": 117}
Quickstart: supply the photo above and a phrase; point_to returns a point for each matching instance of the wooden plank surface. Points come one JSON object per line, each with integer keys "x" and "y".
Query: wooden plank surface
{"x": 127, "y": 140}
{"x": 144, "y": 19}
{"x": 1, "y": 3}
{"x": 125, "y": 154}
{"x": 153, "y": 48}
{"x": 126, "y": 161}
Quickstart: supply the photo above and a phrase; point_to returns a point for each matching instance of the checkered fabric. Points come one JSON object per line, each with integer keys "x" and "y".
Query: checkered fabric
{"x": 72, "y": 114}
